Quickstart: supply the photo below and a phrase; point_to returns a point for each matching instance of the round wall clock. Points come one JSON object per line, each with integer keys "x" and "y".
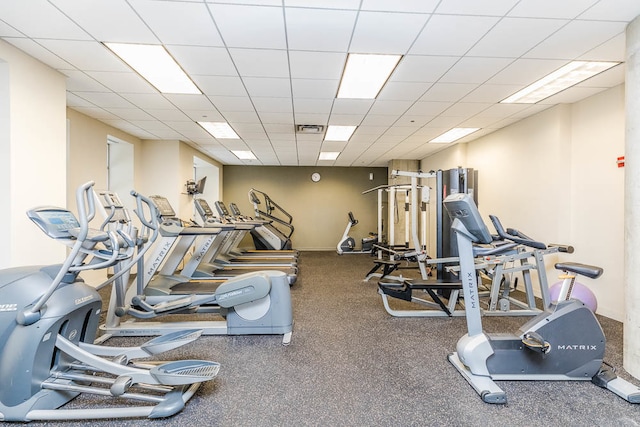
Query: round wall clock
{"x": 315, "y": 177}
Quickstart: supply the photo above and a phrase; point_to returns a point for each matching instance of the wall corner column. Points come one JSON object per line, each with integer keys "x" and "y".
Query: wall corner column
{"x": 631, "y": 348}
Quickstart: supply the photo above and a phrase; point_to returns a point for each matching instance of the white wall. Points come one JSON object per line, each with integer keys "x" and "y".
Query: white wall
{"x": 554, "y": 177}
{"x": 34, "y": 149}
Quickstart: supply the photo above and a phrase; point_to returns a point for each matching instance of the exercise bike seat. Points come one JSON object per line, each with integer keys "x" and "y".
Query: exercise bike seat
{"x": 589, "y": 271}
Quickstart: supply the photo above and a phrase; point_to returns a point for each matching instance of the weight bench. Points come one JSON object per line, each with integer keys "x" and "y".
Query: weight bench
{"x": 388, "y": 267}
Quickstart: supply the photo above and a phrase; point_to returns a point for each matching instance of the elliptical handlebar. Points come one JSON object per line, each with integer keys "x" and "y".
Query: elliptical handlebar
{"x": 515, "y": 235}
{"x": 151, "y": 223}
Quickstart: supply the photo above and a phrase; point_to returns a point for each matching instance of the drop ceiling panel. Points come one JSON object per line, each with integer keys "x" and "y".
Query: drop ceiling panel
{"x": 100, "y": 114}
{"x": 261, "y": 62}
{"x": 351, "y": 106}
{"x": 513, "y": 37}
{"x": 149, "y": 101}
{"x": 128, "y": 82}
{"x": 226, "y": 104}
{"x": 86, "y": 55}
{"x": 327, "y": 4}
{"x": 393, "y": 33}
{"x": 241, "y": 116}
{"x": 451, "y": 35}
{"x": 319, "y": 30}
{"x": 465, "y": 7}
{"x": 314, "y": 88}
{"x": 346, "y": 119}
{"x": 379, "y": 119}
{"x": 575, "y": 39}
{"x": 78, "y": 81}
{"x": 262, "y": 27}
{"x": 209, "y": 115}
{"x": 38, "y": 51}
{"x": 466, "y": 109}
{"x": 272, "y": 105}
{"x": 416, "y": 6}
{"x": 612, "y": 50}
{"x": 189, "y": 102}
{"x": 204, "y": 60}
{"x": 428, "y": 108}
{"x": 220, "y": 85}
{"x": 566, "y": 9}
{"x": 268, "y": 117}
{"x": 316, "y": 65}
{"x": 613, "y": 10}
{"x": 403, "y": 91}
{"x": 105, "y": 99}
{"x": 475, "y": 70}
{"x": 421, "y": 68}
{"x": 130, "y": 114}
{"x": 40, "y": 19}
{"x": 97, "y": 17}
{"x": 7, "y": 31}
{"x": 448, "y": 92}
{"x": 526, "y": 71}
{"x": 180, "y": 23}
{"x": 317, "y": 106}
{"x": 268, "y": 87}
{"x": 388, "y": 107}
{"x": 311, "y": 118}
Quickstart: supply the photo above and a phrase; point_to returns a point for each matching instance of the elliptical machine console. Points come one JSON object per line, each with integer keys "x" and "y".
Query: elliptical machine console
{"x": 48, "y": 326}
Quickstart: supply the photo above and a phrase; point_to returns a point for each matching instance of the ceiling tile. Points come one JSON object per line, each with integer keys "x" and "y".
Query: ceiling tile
{"x": 167, "y": 115}
{"x": 106, "y": 100}
{"x": 475, "y": 70}
{"x": 203, "y": 60}
{"x": 448, "y": 92}
{"x": 262, "y": 27}
{"x": 128, "y": 82}
{"x": 451, "y": 34}
{"x": 400, "y": 30}
{"x": 311, "y": 118}
{"x": 36, "y": 50}
{"x": 417, "y": 6}
{"x": 526, "y": 71}
{"x": 149, "y": 101}
{"x": 314, "y": 88}
{"x": 220, "y": 85}
{"x": 40, "y": 19}
{"x": 613, "y": 10}
{"x": 328, "y": 4}
{"x": 268, "y": 86}
{"x": 317, "y": 65}
{"x": 242, "y": 116}
{"x": 130, "y": 113}
{"x": 465, "y": 7}
{"x": 86, "y": 55}
{"x": 352, "y": 106}
{"x": 97, "y": 17}
{"x": 513, "y": 37}
{"x": 566, "y": 9}
{"x": 272, "y": 105}
{"x": 99, "y": 114}
{"x": 403, "y": 91}
{"x": 465, "y": 109}
{"x": 346, "y": 119}
{"x": 428, "y": 108}
{"x": 190, "y": 102}
{"x": 612, "y": 50}
{"x": 77, "y": 81}
{"x": 307, "y": 105}
{"x": 417, "y": 68}
{"x": 491, "y": 93}
{"x": 261, "y": 63}
{"x": 319, "y": 29}
{"x": 193, "y": 27}
{"x": 388, "y": 107}
{"x": 226, "y": 104}
{"x": 575, "y": 39}
{"x": 269, "y": 117}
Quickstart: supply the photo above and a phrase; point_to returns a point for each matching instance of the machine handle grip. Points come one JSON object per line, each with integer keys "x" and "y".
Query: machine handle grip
{"x": 151, "y": 223}
{"x": 517, "y": 237}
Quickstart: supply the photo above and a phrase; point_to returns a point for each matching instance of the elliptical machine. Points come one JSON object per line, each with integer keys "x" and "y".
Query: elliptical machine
{"x": 565, "y": 342}
{"x": 48, "y": 323}
{"x": 347, "y": 244}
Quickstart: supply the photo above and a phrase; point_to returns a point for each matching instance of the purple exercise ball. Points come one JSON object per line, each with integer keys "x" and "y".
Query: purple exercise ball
{"x": 580, "y": 292}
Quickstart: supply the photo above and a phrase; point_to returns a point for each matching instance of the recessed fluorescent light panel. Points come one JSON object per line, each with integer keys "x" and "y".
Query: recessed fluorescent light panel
{"x": 339, "y": 133}
{"x": 328, "y": 155}
{"x": 365, "y": 74}
{"x": 567, "y": 76}
{"x": 454, "y": 135}
{"x": 244, "y": 155}
{"x": 220, "y": 130}
{"x": 155, "y": 65}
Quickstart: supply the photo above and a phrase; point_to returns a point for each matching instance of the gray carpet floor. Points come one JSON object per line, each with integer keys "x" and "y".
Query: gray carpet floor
{"x": 352, "y": 364}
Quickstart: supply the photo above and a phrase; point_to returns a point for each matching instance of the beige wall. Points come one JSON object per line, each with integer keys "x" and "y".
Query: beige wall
{"x": 554, "y": 177}
{"x": 32, "y": 155}
{"x": 319, "y": 209}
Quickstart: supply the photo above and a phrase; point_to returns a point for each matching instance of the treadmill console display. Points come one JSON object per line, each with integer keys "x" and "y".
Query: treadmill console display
{"x": 204, "y": 208}
{"x": 164, "y": 207}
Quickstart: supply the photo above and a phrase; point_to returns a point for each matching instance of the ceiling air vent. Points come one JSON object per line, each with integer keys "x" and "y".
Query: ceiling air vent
{"x": 313, "y": 129}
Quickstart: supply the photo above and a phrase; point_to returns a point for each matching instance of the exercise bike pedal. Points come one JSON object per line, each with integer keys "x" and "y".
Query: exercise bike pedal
{"x": 534, "y": 341}
{"x": 184, "y": 372}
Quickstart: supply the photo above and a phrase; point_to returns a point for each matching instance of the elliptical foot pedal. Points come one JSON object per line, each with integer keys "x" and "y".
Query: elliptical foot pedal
{"x": 534, "y": 341}
{"x": 170, "y": 341}
{"x": 176, "y": 304}
{"x": 183, "y": 372}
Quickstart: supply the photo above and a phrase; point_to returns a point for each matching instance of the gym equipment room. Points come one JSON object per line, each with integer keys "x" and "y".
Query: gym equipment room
{"x": 320, "y": 212}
